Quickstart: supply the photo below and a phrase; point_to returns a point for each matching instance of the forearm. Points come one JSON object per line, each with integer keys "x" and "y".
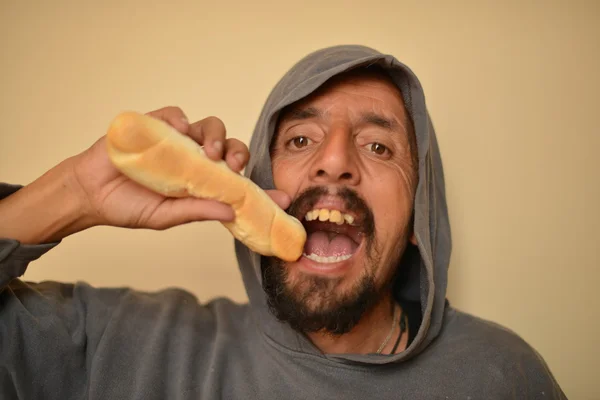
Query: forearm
{"x": 47, "y": 210}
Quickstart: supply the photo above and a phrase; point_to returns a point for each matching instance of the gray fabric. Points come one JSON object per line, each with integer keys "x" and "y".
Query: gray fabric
{"x": 14, "y": 256}
{"x": 63, "y": 341}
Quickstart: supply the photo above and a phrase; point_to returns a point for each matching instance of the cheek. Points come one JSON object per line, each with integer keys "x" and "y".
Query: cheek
{"x": 391, "y": 202}
{"x": 287, "y": 175}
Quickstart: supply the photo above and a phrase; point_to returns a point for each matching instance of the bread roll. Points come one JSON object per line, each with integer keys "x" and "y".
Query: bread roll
{"x": 157, "y": 156}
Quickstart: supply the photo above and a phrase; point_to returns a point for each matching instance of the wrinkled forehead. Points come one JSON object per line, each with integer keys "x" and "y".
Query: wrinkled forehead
{"x": 374, "y": 75}
{"x": 363, "y": 79}
{"x": 368, "y": 81}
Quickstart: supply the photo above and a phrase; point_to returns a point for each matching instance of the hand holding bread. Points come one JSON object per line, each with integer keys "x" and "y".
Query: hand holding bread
{"x": 107, "y": 197}
{"x": 154, "y": 154}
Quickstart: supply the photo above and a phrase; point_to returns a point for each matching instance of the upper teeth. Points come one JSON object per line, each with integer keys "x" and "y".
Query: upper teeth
{"x": 334, "y": 216}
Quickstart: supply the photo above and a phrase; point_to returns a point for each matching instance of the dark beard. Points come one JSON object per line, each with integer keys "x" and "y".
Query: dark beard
{"x": 314, "y": 303}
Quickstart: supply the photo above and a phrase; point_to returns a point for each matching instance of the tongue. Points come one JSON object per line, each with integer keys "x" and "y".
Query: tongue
{"x": 319, "y": 243}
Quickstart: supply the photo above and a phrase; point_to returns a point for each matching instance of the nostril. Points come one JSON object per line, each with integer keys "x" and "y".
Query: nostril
{"x": 345, "y": 176}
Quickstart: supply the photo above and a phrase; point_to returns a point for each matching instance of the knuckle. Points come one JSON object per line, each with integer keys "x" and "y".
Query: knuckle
{"x": 234, "y": 142}
{"x": 173, "y": 109}
{"x": 238, "y": 145}
{"x": 215, "y": 124}
{"x": 167, "y": 111}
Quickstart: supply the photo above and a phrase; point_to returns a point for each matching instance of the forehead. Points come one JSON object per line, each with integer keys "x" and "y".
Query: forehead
{"x": 359, "y": 89}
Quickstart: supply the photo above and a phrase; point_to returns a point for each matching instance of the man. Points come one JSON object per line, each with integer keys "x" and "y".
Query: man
{"x": 344, "y": 137}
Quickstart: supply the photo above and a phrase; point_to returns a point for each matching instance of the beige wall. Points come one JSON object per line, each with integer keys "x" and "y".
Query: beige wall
{"x": 513, "y": 89}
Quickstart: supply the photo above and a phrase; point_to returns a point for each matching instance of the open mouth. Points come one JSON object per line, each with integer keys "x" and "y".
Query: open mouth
{"x": 333, "y": 235}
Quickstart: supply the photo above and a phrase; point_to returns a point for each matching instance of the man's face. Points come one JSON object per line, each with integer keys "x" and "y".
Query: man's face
{"x": 344, "y": 156}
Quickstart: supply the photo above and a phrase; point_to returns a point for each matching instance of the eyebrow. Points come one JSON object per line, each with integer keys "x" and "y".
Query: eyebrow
{"x": 367, "y": 118}
{"x": 299, "y": 114}
{"x": 380, "y": 121}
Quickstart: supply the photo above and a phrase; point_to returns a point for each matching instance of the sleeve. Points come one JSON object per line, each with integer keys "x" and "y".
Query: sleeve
{"x": 73, "y": 341}
{"x": 51, "y": 334}
{"x": 14, "y": 256}
{"x": 44, "y": 328}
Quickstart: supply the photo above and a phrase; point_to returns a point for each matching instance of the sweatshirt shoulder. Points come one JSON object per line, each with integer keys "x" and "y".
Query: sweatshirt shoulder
{"x": 461, "y": 325}
{"x": 499, "y": 355}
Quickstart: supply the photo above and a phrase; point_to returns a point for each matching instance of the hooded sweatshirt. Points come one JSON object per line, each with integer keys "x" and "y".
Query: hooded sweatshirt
{"x": 72, "y": 341}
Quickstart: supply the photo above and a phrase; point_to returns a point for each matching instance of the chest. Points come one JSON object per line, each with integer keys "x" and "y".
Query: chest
{"x": 240, "y": 373}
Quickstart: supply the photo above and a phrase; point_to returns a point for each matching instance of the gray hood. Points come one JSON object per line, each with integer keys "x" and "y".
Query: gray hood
{"x": 424, "y": 270}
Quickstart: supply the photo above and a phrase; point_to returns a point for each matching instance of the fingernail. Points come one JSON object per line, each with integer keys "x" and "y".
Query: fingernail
{"x": 185, "y": 120}
{"x": 240, "y": 158}
{"x": 218, "y": 146}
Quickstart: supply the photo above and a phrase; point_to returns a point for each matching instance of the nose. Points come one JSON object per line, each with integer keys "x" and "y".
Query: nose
{"x": 336, "y": 161}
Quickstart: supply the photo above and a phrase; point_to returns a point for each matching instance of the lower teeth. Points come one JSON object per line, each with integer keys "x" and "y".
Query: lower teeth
{"x": 327, "y": 260}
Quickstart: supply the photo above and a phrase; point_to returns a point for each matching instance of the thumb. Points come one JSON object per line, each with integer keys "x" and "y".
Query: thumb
{"x": 281, "y": 198}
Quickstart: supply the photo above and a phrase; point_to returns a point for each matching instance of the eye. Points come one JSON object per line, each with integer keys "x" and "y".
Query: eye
{"x": 378, "y": 148}
{"x": 300, "y": 142}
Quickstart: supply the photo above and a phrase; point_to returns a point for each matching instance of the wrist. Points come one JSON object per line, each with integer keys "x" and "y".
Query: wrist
{"x": 49, "y": 209}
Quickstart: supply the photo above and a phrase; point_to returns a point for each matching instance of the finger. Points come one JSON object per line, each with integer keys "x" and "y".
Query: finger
{"x": 174, "y": 212}
{"x": 236, "y": 154}
{"x": 282, "y": 199}
{"x": 210, "y": 133}
{"x": 173, "y": 116}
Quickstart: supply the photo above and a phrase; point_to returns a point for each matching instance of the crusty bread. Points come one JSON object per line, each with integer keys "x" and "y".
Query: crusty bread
{"x": 157, "y": 156}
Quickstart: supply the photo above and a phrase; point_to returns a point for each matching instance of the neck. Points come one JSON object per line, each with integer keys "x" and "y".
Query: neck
{"x": 368, "y": 335}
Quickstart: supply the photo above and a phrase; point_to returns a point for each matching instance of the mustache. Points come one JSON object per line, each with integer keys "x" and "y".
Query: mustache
{"x": 352, "y": 201}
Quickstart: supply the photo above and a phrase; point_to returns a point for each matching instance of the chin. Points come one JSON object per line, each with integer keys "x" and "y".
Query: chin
{"x": 312, "y": 300}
